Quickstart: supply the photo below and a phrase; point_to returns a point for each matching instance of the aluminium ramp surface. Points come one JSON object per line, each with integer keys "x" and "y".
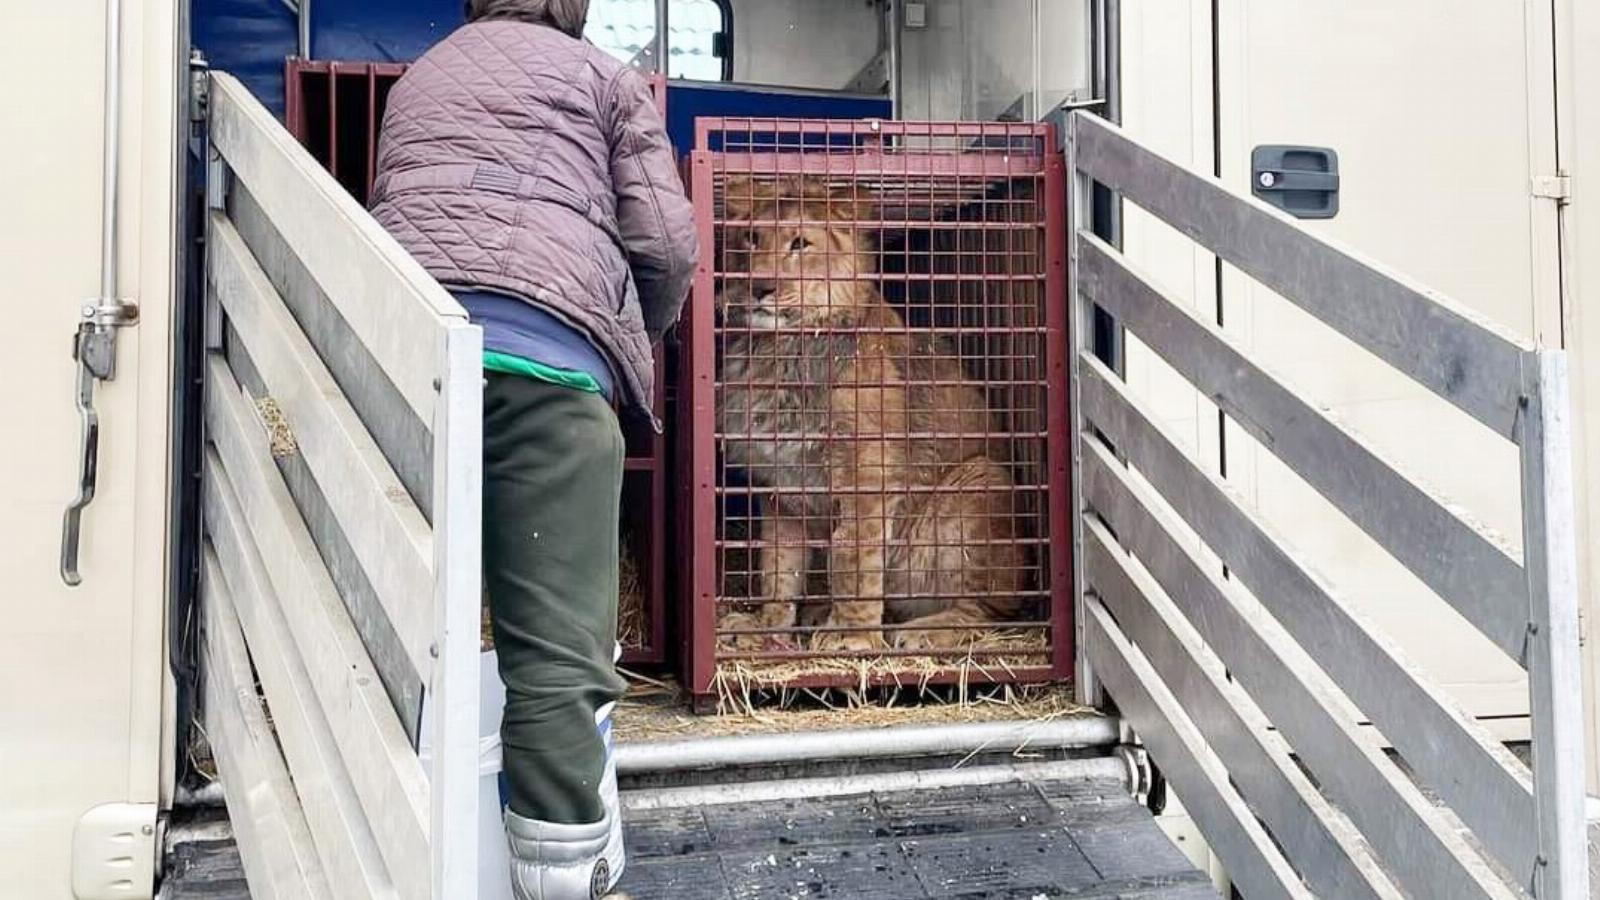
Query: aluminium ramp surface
{"x": 1020, "y": 841}
{"x": 1023, "y": 841}
{"x": 1081, "y": 839}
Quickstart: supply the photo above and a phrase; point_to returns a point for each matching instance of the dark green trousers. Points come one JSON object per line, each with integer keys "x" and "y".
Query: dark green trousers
{"x": 552, "y": 484}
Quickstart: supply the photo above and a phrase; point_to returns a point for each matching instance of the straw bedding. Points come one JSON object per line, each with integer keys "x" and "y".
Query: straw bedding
{"x": 743, "y": 684}
{"x": 656, "y": 710}
{"x": 281, "y": 435}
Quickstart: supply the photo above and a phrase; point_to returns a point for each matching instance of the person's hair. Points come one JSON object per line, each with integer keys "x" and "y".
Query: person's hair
{"x": 562, "y": 15}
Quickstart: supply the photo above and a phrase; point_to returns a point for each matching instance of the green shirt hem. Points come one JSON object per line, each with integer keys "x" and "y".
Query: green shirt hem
{"x": 505, "y": 363}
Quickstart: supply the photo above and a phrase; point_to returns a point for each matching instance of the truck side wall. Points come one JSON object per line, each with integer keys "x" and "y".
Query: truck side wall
{"x": 1473, "y": 98}
{"x": 81, "y": 705}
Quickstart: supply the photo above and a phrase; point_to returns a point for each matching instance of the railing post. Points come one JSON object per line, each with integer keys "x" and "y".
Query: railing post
{"x": 457, "y": 544}
{"x": 1555, "y": 680}
{"x": 1080, "y": 324}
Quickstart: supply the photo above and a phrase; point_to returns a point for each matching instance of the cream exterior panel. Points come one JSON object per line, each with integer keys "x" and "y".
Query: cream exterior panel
{"x": 1441, "y": 116}
{"x": 1166, "y": 105}
{"x": 81, "y": 708}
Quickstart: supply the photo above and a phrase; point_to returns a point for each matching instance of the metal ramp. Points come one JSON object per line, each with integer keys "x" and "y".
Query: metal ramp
{"x": 1082, "y": 838}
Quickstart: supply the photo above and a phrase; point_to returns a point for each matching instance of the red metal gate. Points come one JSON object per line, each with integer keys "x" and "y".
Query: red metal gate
{"x": 334, "y": 109}
{"x": 873, "y": 428}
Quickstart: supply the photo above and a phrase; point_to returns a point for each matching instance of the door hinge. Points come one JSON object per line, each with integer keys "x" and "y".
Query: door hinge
{"x": 1554, "y": 187}
{"x": 199, "y": 86}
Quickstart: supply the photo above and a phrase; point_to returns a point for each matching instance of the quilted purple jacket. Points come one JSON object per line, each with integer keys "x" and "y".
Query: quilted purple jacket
{"x": 516, "y": 159}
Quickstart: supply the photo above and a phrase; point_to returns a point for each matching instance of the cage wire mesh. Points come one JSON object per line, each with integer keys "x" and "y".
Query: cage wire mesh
{"x": 876, "y": 365}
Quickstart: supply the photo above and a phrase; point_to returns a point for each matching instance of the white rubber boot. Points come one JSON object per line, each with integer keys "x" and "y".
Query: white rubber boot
{"x": 558, "y": 862}
{"x": 615, "y": 854}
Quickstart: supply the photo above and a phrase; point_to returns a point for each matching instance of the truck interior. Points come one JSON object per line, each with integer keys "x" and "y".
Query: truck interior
{"x": 1168, "y": 708}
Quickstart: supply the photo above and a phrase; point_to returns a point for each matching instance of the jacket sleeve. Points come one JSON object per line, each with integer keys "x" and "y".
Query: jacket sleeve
{"x": 653, "y": 213}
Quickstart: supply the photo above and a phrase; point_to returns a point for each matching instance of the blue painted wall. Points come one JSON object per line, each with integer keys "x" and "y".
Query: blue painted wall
{"x": 687, "y": 101}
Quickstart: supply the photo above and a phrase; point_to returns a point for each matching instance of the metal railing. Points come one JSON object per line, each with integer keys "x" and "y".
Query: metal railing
{"x": 1206, "y": 660}
{"x": 342, "y": 516}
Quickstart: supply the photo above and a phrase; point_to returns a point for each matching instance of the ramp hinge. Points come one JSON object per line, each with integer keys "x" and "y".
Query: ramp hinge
{"x": 199, "y": 86}
{"x": 1554, "y": 187}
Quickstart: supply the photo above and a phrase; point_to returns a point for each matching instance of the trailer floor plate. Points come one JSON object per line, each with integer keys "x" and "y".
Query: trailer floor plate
{"x": 1070, "y": 839}
{"x": 1084, "y": 840}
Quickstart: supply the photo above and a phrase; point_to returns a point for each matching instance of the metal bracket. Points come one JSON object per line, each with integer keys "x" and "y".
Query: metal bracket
{"x": 873, "y": 77}
{"x": 1138, "y": 762}
{"x": 1553, "y": 187}
{"x": 111, "y": 313}
{"x": 199, "y": 86}
{"x": 114, "y": 851}
{"x": 1073, "y": 101}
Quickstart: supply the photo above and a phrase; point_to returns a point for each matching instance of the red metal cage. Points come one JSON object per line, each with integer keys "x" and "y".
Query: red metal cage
{"x": 873, "y": 406}
{"x": 335, "y": 108}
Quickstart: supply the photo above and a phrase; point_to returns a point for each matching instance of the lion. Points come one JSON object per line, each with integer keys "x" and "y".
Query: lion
{"x": 876, "y": 447}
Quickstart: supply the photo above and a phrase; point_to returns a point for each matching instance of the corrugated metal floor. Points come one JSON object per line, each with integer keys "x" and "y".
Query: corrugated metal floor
{"x": 1084, "y": 840}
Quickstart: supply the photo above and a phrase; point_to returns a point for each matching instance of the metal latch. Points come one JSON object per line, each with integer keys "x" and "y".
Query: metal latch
{"x": 1301, "y": 181}
{"x": 94, "y": 347}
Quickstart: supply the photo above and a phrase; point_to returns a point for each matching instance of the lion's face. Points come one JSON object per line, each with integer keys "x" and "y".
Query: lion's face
{"x": 797, "y": 255}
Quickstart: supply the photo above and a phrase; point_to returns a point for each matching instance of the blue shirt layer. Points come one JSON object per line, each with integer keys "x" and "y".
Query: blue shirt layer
{"x": 518, "y": 328}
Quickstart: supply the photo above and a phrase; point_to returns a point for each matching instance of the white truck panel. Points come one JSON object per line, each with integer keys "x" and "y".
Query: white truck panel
{"x": 86, "y": 724}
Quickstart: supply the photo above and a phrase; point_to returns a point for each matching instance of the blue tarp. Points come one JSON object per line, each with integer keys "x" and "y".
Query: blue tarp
{"x": 249, "y": 39}
{"x": 380, "y": 30}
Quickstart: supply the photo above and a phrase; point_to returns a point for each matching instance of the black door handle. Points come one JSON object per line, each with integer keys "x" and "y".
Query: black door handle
{"x": 1302, "y": 181}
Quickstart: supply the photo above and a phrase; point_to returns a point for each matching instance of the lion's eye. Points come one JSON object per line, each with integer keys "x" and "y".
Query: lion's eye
{"x": 798, "y": 244}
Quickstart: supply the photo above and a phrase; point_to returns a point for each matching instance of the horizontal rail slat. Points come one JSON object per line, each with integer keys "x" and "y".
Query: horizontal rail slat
{"x": 1483, "y": 783}
{"x": 275, "y": 844}
{"x": 400, "y": 679}
{"x": 1230, "y": 827}
{"x": 1479, "y": 579}
{"x": 383, "y": 526}
{"x": 353, "y": 863}
{"x": 1451, "y": 351}
{"x": 404, "y": 437}
{"x": 390, "y": 302}
{"x": 1320, "y": 843}
{"x": 383, "y": 769}
{"x": 1409, "y": 833}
